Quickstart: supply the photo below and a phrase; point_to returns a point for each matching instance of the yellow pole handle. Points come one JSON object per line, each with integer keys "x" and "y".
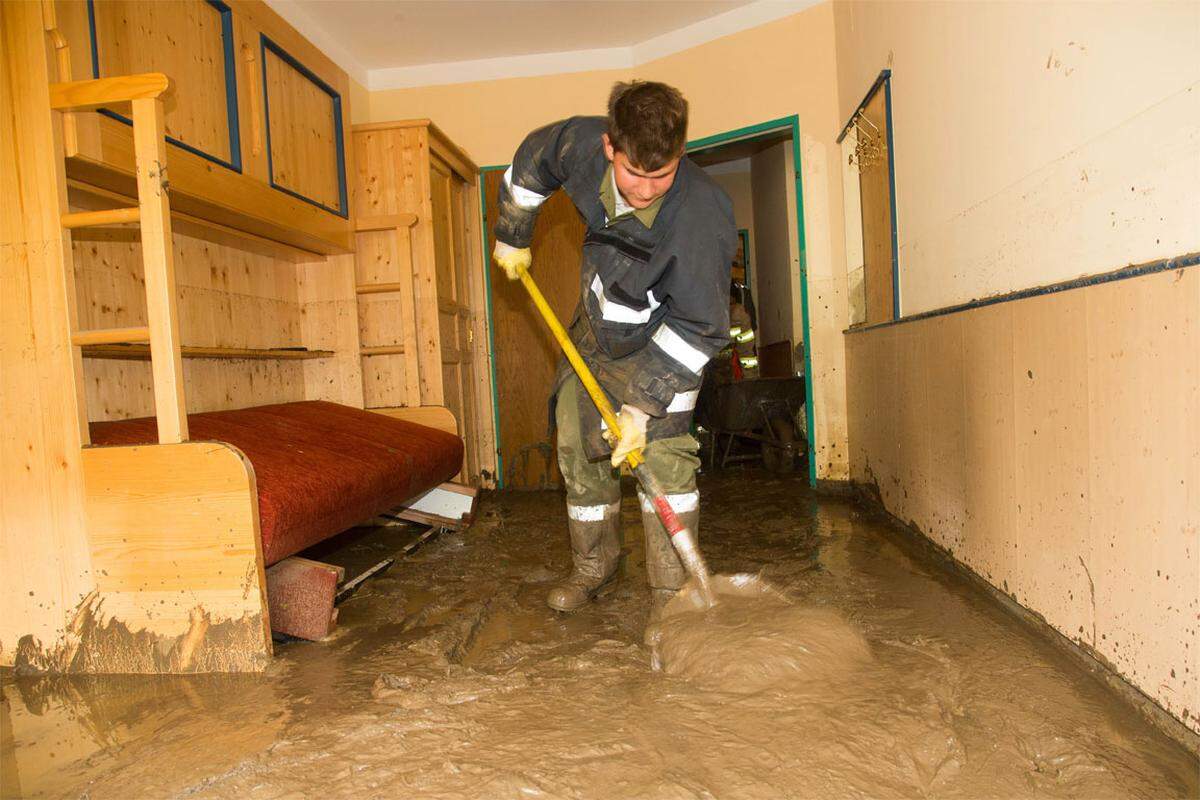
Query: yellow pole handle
{"x": 581, "y": 369}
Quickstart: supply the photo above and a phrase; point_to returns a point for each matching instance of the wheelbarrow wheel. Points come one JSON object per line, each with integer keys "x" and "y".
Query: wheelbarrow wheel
{"x": 780, "y": 455}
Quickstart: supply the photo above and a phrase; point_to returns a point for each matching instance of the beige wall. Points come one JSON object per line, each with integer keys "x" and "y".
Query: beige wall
{"x": 489, "y": 119}
{"x": 360, "y": 103}
{"x": 778, "y": 294}
{"x": 1052, "y": 445}
{"x": 1034, "y": 142}
{"x": 737, "y": 186}
{"x": 776, "y": 70}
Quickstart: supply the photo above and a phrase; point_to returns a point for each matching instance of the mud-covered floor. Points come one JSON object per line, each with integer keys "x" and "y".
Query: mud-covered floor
{"x": 449, "y": 677}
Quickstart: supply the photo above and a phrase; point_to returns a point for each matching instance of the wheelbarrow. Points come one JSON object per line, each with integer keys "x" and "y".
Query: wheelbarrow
{"x": 759, "y": 410}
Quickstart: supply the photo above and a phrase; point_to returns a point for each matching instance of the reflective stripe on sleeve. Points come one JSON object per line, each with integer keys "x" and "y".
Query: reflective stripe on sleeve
{"x": 524, "y": 198}
{"x": 673, "y": 345}
{"x": 616, "y": 312}
{"x": 683, "y": 401}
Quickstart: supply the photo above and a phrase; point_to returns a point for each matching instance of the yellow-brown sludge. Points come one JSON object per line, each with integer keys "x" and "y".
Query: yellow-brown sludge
{"x": 839, "y": 668}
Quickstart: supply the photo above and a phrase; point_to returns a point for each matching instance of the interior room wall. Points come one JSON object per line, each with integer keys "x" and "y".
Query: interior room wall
{"x": 1049, "y": 443}
{"x": 734, "y": 178}
{"x": 773, "y": 71}
{"x": 1034, "y": 142}
{"x": 1052, "y": 445}
{"x": 227, "y": 297}
{"x": 778, "y": 265}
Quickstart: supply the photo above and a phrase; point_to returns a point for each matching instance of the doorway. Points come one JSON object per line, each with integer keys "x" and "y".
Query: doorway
{"x": 525, "y": 355}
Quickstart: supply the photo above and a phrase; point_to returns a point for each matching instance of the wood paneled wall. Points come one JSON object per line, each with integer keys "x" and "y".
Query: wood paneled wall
{"x": 227, "y": 297}
{"x": 43, "y": 538}
{"x": 1052, "y": 445}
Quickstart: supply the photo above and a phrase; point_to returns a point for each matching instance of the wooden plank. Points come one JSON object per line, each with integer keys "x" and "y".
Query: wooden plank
{"x": 183, "y": 39}
{"x": 449, "y": 505}
{"x": 383, "y": 350}
{"x": 392, "y": 177}
{"x": 110, "y": 336}
{"x": 476, "y": 265}
{"x": 176, "y": 549}
{"x": 438, "y": 417}
{"x": 385, "y": 256}
{"x": 381, "y": 288}
{"x": 158, "y": 259}
{"x": 78, "y": 95}
{"x": 111, "y": 216}
{"x": 329, "y": 319}
{"x": 228, "y": 297}
{"x": 301, "y": 594}
{"x": 42, "y": 412}
{"x": 105, "y": 160}
{"x": 384, "y": 222}
{"x": 301, "y": 133}
{"x": 82, "y": 195}
{"x": 141, "y": 352}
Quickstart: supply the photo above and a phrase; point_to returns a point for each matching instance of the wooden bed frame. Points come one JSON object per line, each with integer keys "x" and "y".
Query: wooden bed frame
{"x": 149, "y": 557}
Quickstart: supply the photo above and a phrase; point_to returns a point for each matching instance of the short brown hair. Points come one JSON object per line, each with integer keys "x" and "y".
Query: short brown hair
{"x": 647, "y": 121}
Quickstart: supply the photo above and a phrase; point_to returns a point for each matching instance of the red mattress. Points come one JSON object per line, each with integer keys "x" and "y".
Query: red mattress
{"x": 321, "y": 467}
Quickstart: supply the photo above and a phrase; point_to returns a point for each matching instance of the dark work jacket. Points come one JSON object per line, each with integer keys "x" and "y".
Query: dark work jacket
{"x": 654, "y": 303}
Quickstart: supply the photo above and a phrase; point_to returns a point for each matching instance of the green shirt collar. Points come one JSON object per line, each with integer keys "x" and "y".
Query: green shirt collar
{"x": 608, "y": 198}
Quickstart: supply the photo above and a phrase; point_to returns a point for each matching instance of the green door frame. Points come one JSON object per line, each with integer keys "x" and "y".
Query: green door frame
{"x": 790, "y": 124}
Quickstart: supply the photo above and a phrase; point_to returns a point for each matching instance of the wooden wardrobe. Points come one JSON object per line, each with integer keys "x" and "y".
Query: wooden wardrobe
{"x": 420, "y": 281}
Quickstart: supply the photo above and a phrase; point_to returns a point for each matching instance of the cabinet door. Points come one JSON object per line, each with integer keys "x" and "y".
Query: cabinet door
{"x": 189, "y": 40}
{"x": 306, "y": 154}
{"x": 455, "y": 315}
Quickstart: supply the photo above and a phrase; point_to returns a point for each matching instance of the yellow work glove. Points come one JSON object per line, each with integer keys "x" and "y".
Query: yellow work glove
{"x": 633, "y": 432}
{"x": 512, "y": 259}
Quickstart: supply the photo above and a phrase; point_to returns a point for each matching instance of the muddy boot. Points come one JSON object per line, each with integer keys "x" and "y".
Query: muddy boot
{"x": 664, "y": 571}
{"x": 596, "y": 551}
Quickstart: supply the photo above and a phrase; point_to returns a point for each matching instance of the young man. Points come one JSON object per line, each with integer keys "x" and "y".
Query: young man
{"x": 654, "y": 309}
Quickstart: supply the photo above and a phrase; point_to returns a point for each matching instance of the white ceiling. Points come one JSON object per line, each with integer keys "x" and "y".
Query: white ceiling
{"x": 397, "y": 43}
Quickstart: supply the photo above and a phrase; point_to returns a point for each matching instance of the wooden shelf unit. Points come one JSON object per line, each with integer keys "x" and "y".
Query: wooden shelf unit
{"x": 141, "y": 352}
{"x": 419, "y": 280}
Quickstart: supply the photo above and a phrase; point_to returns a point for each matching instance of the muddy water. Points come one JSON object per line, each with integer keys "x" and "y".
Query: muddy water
{"x": 871, "y": 675}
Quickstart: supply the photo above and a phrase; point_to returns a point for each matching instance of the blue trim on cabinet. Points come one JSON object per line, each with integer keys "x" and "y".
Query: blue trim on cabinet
{"x": 343, "y": 209}
{"x": 231, "y": 108}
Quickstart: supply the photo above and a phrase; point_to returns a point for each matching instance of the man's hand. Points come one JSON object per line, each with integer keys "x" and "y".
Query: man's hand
{"x": 633, "y": 432}
{"x": 512, "y": 259}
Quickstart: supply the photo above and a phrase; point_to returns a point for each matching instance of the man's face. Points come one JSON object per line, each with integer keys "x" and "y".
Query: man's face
{"x": 639, "y": 187}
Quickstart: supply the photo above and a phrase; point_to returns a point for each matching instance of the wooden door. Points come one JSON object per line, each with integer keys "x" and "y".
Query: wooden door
{"x": 456, "y": 329}
{"x": 526, "y": 355}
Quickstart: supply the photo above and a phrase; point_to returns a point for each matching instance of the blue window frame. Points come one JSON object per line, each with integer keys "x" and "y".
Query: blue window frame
{"x": 340, "y": 145}
{"x": 231, "y": 106}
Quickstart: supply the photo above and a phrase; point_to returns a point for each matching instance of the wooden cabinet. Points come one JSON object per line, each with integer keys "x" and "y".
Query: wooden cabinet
{"x": 421, "y": 281}
{"x": 257, "y": 124}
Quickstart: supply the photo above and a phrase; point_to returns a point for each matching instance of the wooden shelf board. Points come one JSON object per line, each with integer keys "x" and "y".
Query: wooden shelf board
{"x": 141, "y": 352}
{"x": 94, "y": 198}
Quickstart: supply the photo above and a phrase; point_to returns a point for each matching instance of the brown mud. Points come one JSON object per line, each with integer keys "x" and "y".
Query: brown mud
{"x": 843, "y": 668}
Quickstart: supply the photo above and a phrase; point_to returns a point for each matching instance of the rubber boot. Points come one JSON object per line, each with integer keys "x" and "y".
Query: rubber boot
{"x": 664, "y": 571}
{"x": 596, "y": 551}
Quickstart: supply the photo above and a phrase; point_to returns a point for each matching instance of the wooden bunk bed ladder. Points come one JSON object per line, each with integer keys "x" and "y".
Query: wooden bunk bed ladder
{"x": 145, "y": 94}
